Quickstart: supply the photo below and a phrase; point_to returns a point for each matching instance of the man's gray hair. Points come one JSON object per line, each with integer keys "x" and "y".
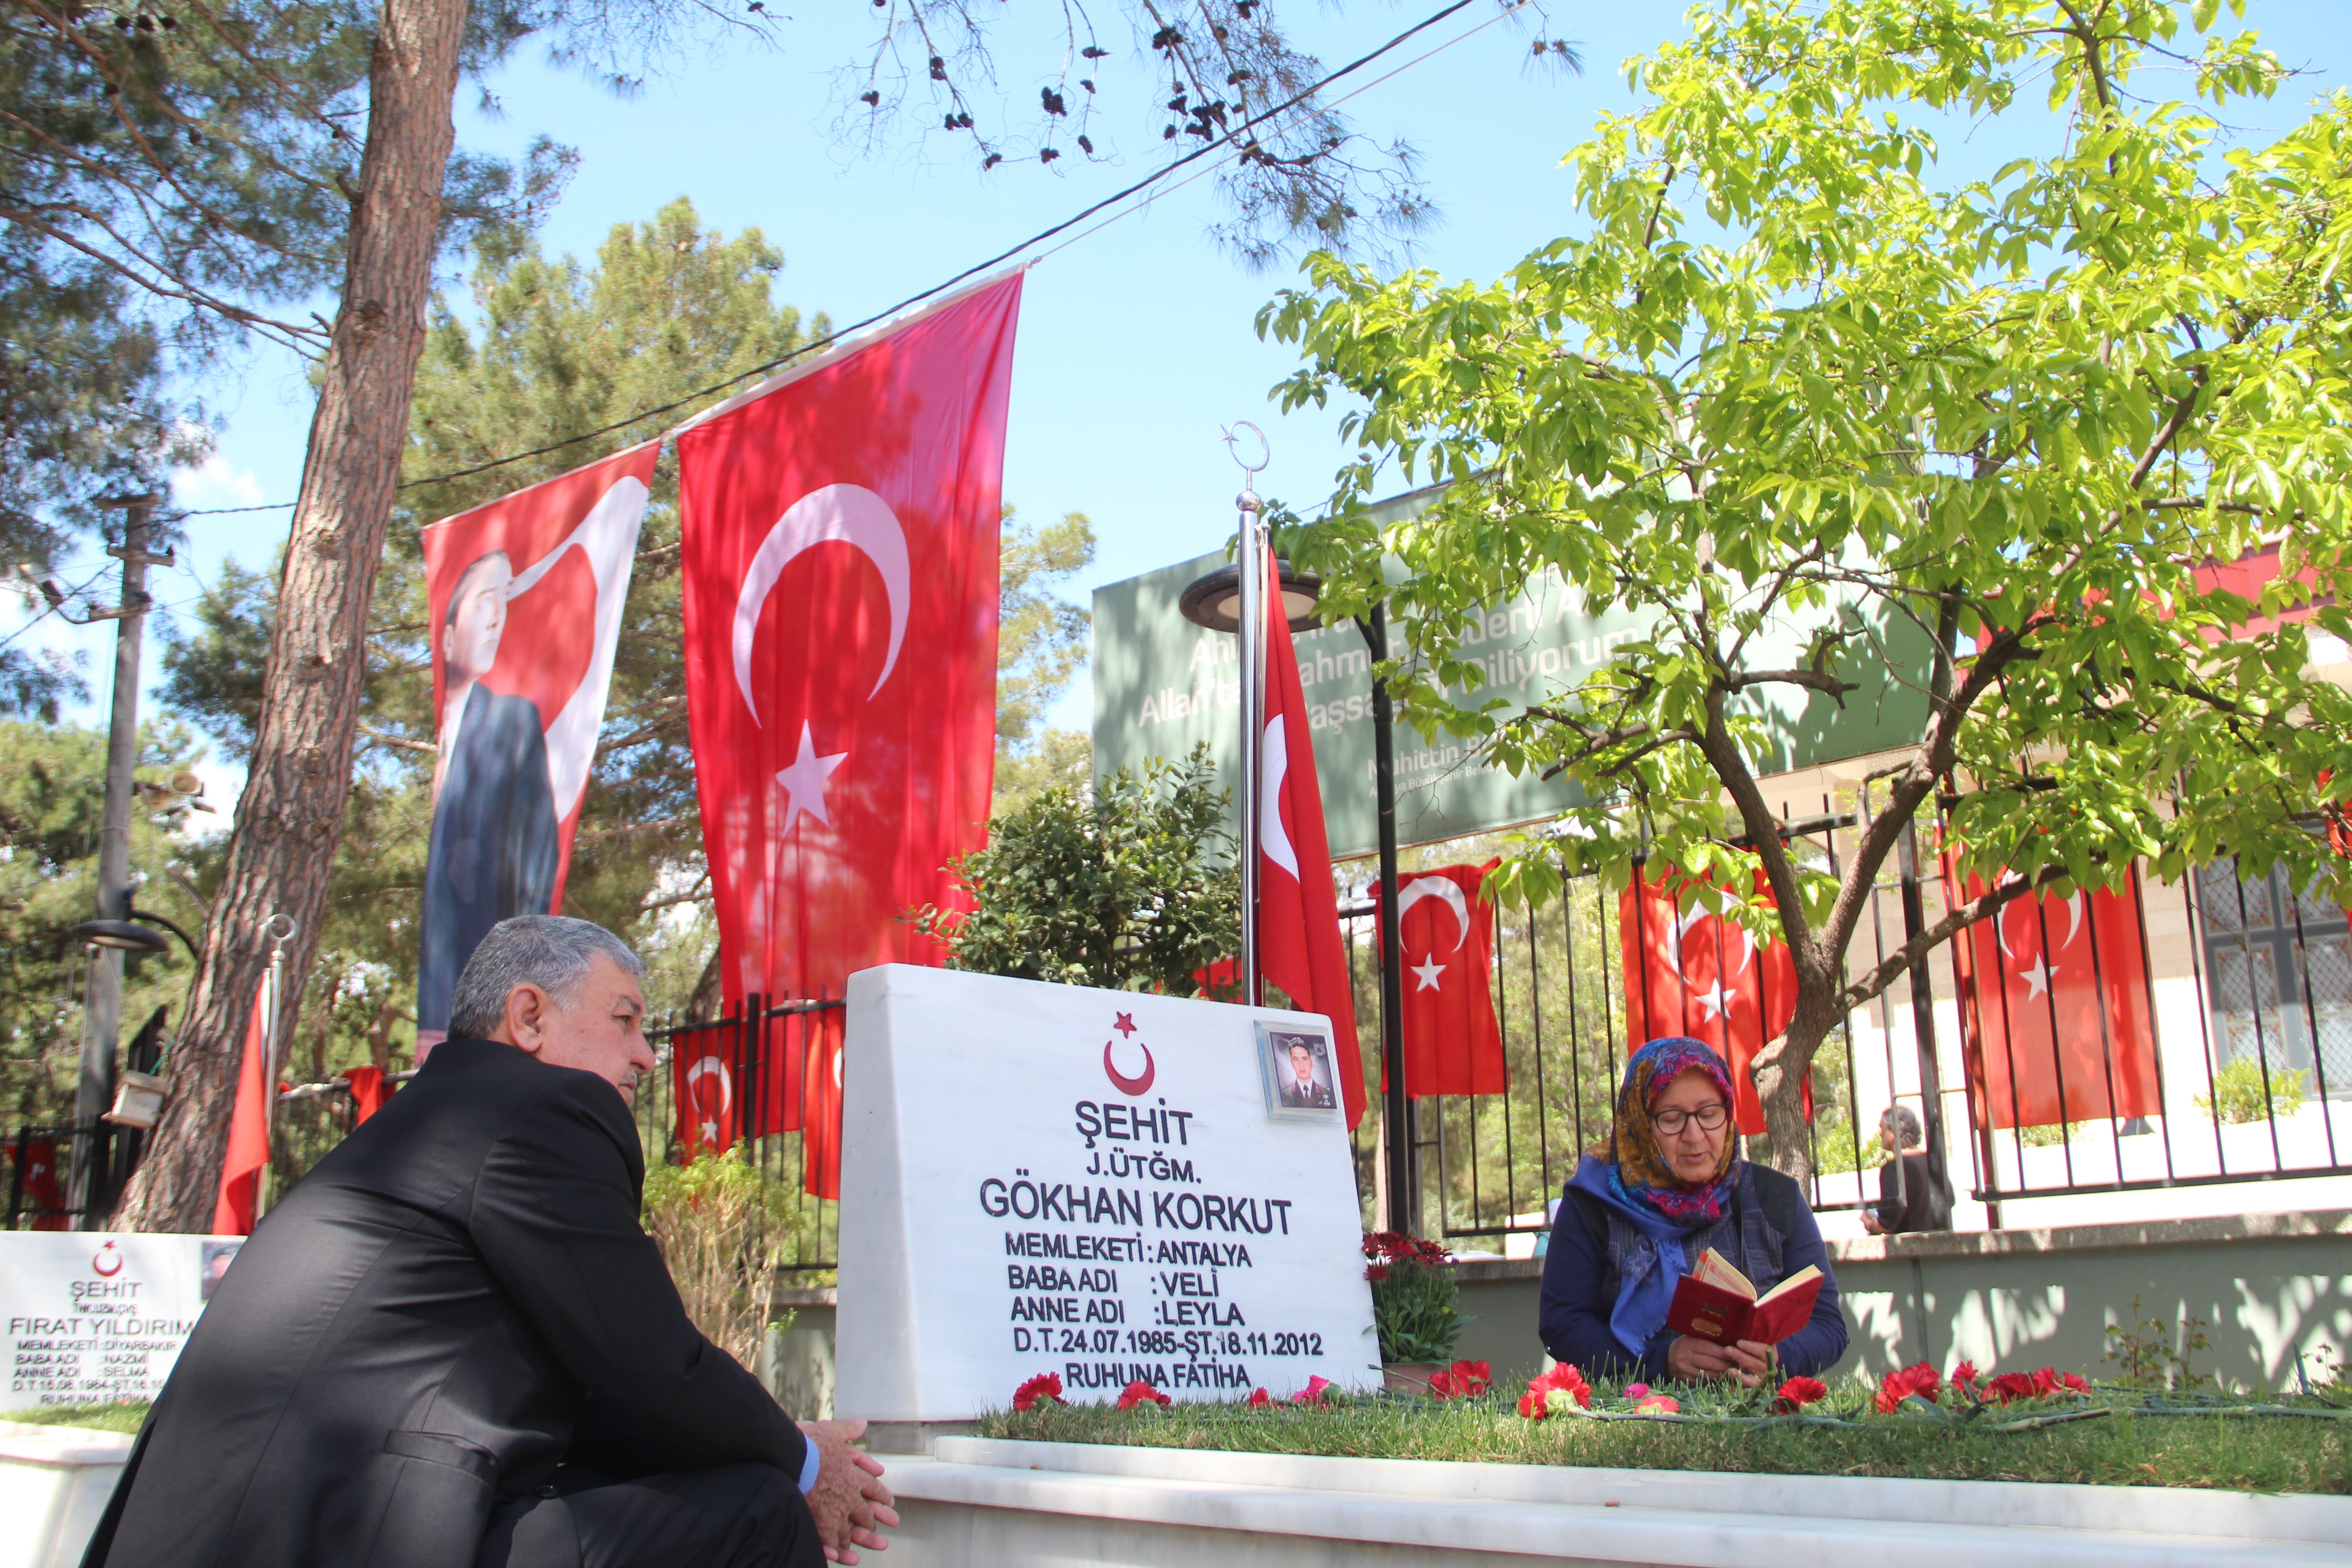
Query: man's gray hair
{"x": 1903, "y": 1122}
{"x": 551, "y": 951}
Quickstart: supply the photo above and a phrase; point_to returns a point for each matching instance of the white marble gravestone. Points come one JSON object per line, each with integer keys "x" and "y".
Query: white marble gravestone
{"x": 1096, "y": 1183}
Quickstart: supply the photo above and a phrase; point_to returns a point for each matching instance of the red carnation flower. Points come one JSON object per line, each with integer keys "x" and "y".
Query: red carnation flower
{"x": 2011, "y": 1385}
{"x": 1257, "y": 1397}
{"x": 1964, "y": 1376}
{"x": 1800, "y": 1391}
{"x": 1657, "y": 1404}
{"x": 1044, "y": 1385}
{"x": 1536, "y": 1403}
{"x": 1313, "y": 1392}
{"x": 1462, "y": 1379}
{"x": 1137, "y": 1393}
{"x": 1919, "y": 1379}
{"x": 2067, "y": 1380}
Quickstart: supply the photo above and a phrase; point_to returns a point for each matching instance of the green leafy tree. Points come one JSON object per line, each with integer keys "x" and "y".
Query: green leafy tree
{"x": 1826, "y": 420}
{"x": 1041, "y": 644}
{"x": 1133, "y": 890}
{"x": 51, "y": 797}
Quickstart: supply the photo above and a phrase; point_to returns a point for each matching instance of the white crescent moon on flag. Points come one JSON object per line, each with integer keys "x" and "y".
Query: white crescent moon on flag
{"x": 849, "y": 515}
{"x": 712, "y": 1067}
{"x": 2000, "y": 923}
{"x": 1447, "y": 892}
{"x": 1273, "y": 766}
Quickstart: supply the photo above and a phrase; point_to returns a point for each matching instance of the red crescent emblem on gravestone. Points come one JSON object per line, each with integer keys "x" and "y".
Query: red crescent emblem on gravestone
{"x": 1138, "y": 1085}
{"x": 106, "y": 1261}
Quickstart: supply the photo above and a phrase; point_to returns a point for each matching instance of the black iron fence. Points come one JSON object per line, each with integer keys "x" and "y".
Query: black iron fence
{"x": 2237, "y": 1068}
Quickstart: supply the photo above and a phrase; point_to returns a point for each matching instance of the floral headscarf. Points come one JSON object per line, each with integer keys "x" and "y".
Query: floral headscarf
{"x": 1639, "y": 1169}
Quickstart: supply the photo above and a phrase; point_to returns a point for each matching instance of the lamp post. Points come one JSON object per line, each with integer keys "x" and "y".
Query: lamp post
{"x": 1225, "y": 600}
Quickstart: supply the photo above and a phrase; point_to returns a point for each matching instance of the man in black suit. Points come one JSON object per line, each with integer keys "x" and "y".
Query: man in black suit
{"x": 1299, "y": 1090}
{"x": 452, "y": 1344}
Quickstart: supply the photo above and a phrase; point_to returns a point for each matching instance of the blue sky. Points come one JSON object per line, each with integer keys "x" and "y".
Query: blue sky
{"x": 1137, "y": 342}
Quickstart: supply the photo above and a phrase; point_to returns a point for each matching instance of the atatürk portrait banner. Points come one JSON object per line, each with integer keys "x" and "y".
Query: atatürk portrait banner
{"x": 524, "y": 600}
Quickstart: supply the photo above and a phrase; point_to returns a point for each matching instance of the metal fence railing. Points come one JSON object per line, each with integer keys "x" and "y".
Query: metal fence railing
{"x": 2237, "y": 1070}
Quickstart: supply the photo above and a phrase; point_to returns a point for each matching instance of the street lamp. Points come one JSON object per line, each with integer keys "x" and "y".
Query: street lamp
{"x": 1219, "y": 602}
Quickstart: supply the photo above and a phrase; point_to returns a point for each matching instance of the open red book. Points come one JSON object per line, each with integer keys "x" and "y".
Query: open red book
{"x": 1716, "y": 1301}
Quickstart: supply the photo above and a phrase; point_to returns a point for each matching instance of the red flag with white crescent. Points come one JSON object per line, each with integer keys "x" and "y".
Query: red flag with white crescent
{"x": 524, "y": 598}
{"x": 2065, "y": 1027}
{"x": 839, "y": 578}
{"x": 1298, "y": 943}
{"x": 703, "y": 1087}
{"x": 1446, "y": 929}
{"x": 248, "y": 1123}
{"x": 1693, "y": 973}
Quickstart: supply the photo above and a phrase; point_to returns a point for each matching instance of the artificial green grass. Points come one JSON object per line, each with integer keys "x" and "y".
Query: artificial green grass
{"x": 2233, "y": 1452}
{"x": 124, "y": 1418}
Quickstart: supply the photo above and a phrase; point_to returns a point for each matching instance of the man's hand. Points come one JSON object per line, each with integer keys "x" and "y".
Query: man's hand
{"x": 851, "y": 1504}
{"x": 1870, "y": 1221}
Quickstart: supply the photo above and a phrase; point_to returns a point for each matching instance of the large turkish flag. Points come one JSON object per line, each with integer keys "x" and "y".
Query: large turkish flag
{"x": 2064, "y": 1026}
{"x": 1693, "y": 973}
{"x": 1298, "y": 945}
{"x": 840, "y": 586}
{"x": 1446, "y": 929}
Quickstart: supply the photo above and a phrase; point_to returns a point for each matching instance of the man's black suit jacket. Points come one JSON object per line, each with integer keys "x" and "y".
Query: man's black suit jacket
{"x": 455, "y": 1299}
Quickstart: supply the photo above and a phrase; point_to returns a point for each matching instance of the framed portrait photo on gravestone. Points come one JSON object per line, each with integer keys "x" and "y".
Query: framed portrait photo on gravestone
{"x": 1301, "y": 1078}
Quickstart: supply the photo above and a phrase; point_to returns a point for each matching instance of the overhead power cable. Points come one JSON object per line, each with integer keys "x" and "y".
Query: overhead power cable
{"x": 1225, "y": 145}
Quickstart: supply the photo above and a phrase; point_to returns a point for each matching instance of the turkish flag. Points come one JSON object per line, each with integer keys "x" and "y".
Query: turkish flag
{"x": 524, "y": 599}
{"x": 249, "y": 1126}
{"x": 1298, "y": 945}
{"x": 1446, "y": 929}
{"x": 839, "y": 576}
{"x": 705, "y": 1072}
{"x": 2064, "y": 1026}
{"x": 38, "y": 1185}
{"x": 820, "y": 1055}
{"x": 1697, "y": 974}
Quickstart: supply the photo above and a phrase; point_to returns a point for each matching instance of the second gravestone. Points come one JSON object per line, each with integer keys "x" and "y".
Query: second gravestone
{"x": 1109, "y": 1186}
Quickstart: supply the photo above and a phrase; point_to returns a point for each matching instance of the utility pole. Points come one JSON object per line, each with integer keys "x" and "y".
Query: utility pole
{"x": 101, "y": 1015}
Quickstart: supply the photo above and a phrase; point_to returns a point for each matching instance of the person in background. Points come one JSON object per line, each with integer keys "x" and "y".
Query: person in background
{"x": 1911, "y": 1195}
{"x": 1665, "y": 1184}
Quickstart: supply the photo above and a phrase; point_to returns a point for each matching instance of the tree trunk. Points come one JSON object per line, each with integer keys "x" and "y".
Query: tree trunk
{"x": 1780, "y": 1068}
{"x": 283, "y": 843}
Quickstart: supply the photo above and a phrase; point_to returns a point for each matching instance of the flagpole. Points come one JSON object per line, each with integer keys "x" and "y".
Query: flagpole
{"x": 1251, "y": 559}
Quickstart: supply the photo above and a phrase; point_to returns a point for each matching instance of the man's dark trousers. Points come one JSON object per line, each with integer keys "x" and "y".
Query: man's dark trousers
{"x": 435, "y": 1349}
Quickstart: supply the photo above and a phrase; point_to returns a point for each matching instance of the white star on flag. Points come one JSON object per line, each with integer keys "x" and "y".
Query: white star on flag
{"x": 1429, "y": 969}
{"x": 804, "y": 783}
{"x": 1715, "y": 998}
{"x": 2037, "y": 979}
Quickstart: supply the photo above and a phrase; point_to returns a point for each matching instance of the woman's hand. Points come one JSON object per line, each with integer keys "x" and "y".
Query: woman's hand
{"x": 1690, "y": 1360}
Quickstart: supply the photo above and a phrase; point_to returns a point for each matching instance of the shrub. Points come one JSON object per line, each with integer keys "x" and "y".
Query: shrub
{"x": 2240, "y": 1092}
{"x": 721, "y": 1230}
{"x": 1131, "y": 887}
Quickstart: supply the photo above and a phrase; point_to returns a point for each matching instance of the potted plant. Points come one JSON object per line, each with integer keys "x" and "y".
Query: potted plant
{"x": 1416, "y": 1305}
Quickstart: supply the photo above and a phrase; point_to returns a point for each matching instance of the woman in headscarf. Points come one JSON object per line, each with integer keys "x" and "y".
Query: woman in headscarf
{"x": 1664, "y": 1186}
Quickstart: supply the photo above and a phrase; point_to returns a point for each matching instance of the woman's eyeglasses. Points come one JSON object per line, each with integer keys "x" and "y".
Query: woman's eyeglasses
{"x": 1710, "y": 1119}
